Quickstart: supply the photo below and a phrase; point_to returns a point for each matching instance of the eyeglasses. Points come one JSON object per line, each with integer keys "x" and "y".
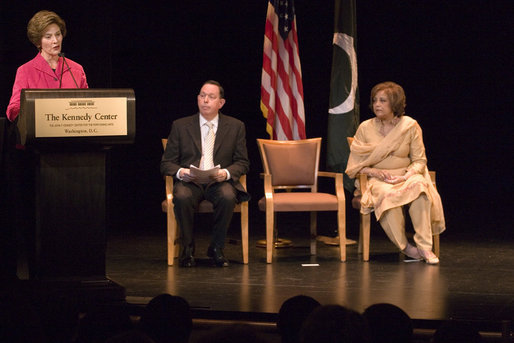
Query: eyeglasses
{"x": 210, "y": 96}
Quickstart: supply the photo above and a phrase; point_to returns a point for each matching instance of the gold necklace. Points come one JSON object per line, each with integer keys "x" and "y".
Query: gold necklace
{"x": 383, "y": 123}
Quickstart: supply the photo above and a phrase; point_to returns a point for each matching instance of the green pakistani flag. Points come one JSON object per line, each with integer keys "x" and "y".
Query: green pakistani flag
{"x": 343, "y": 114}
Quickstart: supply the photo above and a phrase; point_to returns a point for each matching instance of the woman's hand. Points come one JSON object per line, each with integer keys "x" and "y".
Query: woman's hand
{"x": 384, "y": 175}
{"x": 377, "y": 173}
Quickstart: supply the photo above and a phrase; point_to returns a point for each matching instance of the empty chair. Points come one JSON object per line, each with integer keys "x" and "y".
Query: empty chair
{"x": 291, "y": 185}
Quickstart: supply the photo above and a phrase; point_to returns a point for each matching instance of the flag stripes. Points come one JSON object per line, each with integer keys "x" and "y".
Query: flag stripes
{"x": 281, "y": 83}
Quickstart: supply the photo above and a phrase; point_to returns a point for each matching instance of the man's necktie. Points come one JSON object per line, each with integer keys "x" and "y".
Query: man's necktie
{"x": 208, "y": 162}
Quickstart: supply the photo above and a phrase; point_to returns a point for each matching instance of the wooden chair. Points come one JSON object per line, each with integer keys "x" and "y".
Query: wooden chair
{"x": 365, "y": 219}
{"x": 204, "y": 207}
{"x": 291, "y": 185}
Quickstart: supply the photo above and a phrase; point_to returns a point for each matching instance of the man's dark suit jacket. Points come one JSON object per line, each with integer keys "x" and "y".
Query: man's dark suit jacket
{"x": 185, "y": 148}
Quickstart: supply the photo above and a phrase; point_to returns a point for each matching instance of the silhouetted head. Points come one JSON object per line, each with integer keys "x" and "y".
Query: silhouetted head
{"x": 167, "y": 318}
{"x": 388, "y": 324}
{"x": 291, "y": 316}
{"x": 334, "y": 324}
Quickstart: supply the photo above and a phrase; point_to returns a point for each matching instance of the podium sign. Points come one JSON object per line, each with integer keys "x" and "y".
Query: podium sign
{"x": 76, "y": 116}
{"x": 79, "y": 118}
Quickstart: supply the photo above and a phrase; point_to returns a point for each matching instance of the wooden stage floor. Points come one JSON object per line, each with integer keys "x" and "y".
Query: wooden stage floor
{"x": 474, "y": 281}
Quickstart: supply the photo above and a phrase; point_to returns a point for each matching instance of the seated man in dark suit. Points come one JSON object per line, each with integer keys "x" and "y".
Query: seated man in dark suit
{"x": 205, "y": 140}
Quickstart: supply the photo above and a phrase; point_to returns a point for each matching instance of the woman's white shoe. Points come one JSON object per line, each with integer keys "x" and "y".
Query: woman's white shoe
{"x": 429, "y": 256}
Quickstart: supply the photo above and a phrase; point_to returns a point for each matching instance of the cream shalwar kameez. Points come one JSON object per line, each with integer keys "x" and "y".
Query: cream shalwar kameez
{"x": 401, "y": 150}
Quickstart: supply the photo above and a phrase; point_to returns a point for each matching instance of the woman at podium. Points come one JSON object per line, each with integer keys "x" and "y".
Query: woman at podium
{"x": 49, "y": 69}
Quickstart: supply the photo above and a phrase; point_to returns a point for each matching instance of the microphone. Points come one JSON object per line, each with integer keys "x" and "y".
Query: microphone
{"x": 61, "y": 54}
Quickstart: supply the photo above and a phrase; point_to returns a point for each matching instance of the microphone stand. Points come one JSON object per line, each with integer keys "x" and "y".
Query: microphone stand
{"x": 61, "y": 54}
{"x": 62, "y": 70}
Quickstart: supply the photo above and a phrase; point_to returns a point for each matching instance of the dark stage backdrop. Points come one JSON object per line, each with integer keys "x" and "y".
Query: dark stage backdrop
{"x": 452, "y": 58}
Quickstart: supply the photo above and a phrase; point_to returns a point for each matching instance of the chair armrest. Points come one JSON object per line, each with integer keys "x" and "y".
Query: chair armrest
{"x": 338, "y": 181}
{"x": 169, "y": 189}
{"x": 328, "y": 174}
{"x": 242, "y": 180}
{"x": 268, "y": 188}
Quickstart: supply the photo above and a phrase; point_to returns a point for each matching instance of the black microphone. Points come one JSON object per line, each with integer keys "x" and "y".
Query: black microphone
{"x": 61, "y": 54}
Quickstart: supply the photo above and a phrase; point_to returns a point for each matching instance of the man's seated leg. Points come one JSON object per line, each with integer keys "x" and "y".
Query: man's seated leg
{"x": 186, "y": 197}
{"x": 223, "y": 197}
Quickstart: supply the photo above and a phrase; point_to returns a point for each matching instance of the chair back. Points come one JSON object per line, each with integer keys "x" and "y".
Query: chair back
{"x": 292, "y": 164}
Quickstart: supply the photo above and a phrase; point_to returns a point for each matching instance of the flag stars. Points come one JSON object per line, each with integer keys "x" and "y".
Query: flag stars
{"x": 285, "y": 13}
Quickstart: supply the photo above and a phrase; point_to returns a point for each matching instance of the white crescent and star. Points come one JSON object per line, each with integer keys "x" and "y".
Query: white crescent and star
{"x": 345, "y": 42}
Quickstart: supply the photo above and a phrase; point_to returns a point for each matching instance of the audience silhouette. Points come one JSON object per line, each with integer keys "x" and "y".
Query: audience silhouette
{"x": 334, "y": 324}
{"x": 19, "y": 320}
{"x": 103, "y": 321}
{"x": 234, "y": 333}
{"x": 167, "y": 319}
{"x": 388, "y": 324}
{"x": 60, "y": 317}
{"x": 291, "y": 316}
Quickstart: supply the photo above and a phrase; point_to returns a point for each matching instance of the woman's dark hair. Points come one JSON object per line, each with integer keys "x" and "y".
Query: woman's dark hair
{"x": 394, "y": 93}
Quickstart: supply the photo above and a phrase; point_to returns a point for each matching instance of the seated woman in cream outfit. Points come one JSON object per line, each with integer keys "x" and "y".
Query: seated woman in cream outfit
{"x": 389, "y": 149}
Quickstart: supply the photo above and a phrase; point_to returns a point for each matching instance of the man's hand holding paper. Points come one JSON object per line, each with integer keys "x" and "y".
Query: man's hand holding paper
{"x": 222, "y": 175}
{"x": 206, "y": 176}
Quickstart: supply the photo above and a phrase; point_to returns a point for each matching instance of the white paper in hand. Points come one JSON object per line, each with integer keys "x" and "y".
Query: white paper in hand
{"x": 204, "y": 176}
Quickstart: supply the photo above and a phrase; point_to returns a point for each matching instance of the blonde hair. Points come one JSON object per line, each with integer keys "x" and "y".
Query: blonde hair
{"x": 39, "y": 22}
{"x": 394, "y": 93}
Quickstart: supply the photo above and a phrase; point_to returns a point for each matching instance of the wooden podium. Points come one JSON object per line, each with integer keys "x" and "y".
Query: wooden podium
{"x": 71, "y": 132}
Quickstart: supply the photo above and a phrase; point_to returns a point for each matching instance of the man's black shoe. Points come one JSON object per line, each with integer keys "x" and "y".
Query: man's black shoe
{"x": 217, "y": 256}
{"x": 186, "y": 258}
{"x": 187, "y": 262}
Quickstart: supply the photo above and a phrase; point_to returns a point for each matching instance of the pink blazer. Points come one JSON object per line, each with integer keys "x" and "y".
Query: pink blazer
{"x": 36, "y": 73}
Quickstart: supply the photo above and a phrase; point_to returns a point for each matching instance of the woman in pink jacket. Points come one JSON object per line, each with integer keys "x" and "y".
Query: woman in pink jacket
{"x": 49, "y": 69}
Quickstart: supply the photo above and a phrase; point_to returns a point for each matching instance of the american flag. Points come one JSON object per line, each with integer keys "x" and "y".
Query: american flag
{"x": 281, "y": 83}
